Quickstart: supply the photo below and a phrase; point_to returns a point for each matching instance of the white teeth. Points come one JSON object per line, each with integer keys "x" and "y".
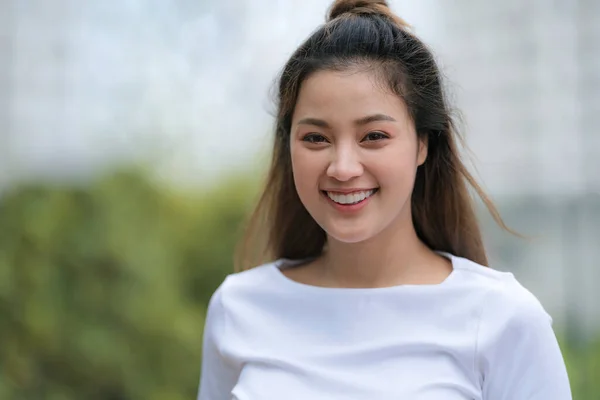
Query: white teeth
{"x": 351, "y": 198}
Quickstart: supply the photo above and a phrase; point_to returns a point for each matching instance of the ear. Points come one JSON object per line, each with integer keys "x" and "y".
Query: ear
{"x": 423, "y": 144}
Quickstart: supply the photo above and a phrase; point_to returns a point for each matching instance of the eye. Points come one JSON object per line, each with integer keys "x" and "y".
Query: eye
{"x": 314, "y": 138}
{"x": 375, "y": 136}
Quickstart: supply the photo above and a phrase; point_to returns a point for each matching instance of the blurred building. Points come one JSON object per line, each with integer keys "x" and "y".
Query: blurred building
{"x": 6, "y": 54}
{"x": 40, "y": 112}
{"x": 527, "y": 78}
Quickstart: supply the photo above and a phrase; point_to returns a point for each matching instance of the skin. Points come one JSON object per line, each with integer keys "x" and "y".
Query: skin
{"x": 349, "y": 133}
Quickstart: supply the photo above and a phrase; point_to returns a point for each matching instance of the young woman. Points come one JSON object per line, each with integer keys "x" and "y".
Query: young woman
{"x": 379, "y": 289}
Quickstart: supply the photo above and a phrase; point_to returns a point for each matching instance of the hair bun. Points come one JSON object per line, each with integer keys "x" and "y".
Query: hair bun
{"x": 340, "y": 7}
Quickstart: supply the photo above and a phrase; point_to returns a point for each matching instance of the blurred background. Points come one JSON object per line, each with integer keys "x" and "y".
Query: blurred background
{"x": 134, "y": 134}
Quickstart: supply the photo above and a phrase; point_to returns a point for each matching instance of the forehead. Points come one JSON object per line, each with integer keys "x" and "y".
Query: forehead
{"x": 351, "y": 93}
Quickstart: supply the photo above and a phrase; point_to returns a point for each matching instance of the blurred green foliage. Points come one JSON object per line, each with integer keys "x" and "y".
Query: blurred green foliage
{"x": 103, "y": 289}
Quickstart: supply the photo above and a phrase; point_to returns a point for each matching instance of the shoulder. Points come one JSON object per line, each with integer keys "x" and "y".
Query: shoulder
{"x": 508, "y": 312}
{"x": 246, "y": 286}
{"x": 501, "y": 289}
{"x": 504, "y": 302}
{"x": 251, "y": 279}
{"x": 516, "y": 351}
{"x": 482, "y": 276}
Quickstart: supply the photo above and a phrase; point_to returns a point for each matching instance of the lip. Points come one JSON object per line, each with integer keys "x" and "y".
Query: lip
{"x": 349, "y": 208}
{"x": 347, "y": 191}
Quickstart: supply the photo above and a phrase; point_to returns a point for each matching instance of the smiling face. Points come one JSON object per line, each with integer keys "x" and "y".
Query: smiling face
{"x": 354, "y": 154}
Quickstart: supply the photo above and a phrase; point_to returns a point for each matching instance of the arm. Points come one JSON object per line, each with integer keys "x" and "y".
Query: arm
{"x": 218, "y": 377}
{"x": 518, "y": 355}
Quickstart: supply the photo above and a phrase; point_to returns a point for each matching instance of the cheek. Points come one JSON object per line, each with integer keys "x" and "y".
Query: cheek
{"x": 395, "y": 173}
{"x": 306, "y": 170}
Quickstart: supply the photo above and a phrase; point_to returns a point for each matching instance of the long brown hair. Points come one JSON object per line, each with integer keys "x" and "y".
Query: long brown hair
{"x": 361, "y": 33}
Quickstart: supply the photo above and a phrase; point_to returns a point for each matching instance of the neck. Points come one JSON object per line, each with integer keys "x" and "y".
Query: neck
{"x": 393, "y": 257}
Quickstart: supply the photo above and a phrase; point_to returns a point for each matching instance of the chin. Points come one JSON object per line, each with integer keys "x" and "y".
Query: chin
{"x": 349, "y": 236}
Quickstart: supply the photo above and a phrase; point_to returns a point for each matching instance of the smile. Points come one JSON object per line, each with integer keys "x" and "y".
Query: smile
{"x": 350, "y": 198}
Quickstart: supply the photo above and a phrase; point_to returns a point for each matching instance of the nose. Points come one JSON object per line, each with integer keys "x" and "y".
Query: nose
{"x": 345, "y": 164}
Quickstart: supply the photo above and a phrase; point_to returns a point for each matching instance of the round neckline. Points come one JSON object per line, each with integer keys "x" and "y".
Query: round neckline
{"x": 277, "y": 266}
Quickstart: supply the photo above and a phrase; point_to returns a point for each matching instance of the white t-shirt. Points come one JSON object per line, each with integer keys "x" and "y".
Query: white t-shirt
{"x": 477, "y": 335}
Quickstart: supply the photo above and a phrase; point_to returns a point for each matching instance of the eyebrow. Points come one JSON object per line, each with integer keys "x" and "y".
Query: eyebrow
{"x": 361, "y": 121}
